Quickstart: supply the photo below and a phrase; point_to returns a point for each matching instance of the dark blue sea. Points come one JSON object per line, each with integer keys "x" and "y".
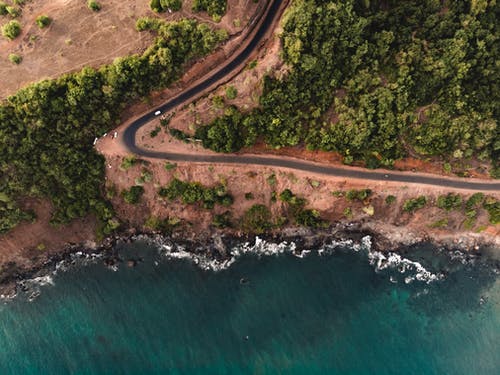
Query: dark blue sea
{"x": 343, "y": 310}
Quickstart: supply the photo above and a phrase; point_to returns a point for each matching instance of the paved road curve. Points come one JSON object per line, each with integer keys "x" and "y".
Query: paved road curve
{"x": 129, "y": 136}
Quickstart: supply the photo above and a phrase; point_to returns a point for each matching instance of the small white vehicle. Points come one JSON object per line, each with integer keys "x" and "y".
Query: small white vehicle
{"x": 157, "y": 113}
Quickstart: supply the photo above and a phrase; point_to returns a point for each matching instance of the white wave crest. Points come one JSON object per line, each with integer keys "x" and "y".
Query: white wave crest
{"x": 259, "y": 248}
{"x": 395, "y": 261}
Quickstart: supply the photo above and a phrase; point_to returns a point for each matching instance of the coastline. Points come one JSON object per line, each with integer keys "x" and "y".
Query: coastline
{"x": 215, "y": 246}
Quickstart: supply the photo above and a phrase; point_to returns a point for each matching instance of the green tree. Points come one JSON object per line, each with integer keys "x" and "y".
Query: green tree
{"x": 11, "y": 29}
{"x": 43, "y": 21}
{"x": 94, "y": 5}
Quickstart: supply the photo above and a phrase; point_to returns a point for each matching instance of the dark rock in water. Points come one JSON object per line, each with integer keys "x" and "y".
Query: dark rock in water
{"x": 244, "y": 281}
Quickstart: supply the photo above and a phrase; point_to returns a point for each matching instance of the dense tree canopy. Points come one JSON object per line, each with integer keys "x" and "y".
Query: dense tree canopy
{"x": 215, "y": 8}
{"x": 47, "y": 129}
{"x": 416, "y": 77}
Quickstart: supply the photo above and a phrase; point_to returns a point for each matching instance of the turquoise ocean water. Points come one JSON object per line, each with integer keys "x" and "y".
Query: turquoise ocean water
{"x": 333, "y": 313}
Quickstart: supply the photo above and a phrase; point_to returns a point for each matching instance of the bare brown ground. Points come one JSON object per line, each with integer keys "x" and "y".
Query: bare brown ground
{"x": 317, "y": 189}
{"x": 30, "y": 242}
{"x": 79, "y": 37}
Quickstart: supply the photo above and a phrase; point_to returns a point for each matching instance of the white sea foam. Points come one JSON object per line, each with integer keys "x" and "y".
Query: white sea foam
{"x": 391, "y": 260}
{"x": 381, "y": 261}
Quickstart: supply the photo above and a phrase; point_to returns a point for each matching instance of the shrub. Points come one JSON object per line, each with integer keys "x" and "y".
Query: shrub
{"x": 439, "y": 223}
{"x": 11, "y": 30}
{"x": 13, "y": 11}
{"x": 222, "y": 220}
{"x": 390, "y": 199}
{"x": 359, "y": 195}
{"x": 271, "y": 179}
{"x": 94, "y": 5}
{"x": 146, "y": 176}
{"x": 194, "y": 192}
{"x": 15, "y": 59}
{"x": 257, "y": 219}
{"x": 231, "y": 92}
{"x": 252, "y": 64}
{"x": 449, "y": 201}
{"x": 492, "y": 205}
{"x": 414, "y": 204}
{"x": 133, "y": 195}
{"x": 475, "y": 200}
{"x": 248, "y": 196}
{"x": 286, "y": 195}
{"x": 163, "y": 5}
{"x": 170, "y": 166}
{"x": 178, "y": 134}
{"x": 309, "y": 218}
{"x": 215, "y": 8}
{"x": 3, "y": 9}
{"x": 128, "y": 162}
{"x": 43, "y": 21}
{"x": 348, "y": 212}
{"x": 218, "y": 101}
{"x": 155, "y": 132}
{"x": 165, "y": 225}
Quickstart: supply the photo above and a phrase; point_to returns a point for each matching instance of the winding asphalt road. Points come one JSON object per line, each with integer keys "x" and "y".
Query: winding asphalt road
{"x": 129, "y": 135}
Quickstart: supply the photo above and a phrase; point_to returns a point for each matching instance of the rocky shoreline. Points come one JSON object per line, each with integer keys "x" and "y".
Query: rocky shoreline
{"x": 216, "y": 245}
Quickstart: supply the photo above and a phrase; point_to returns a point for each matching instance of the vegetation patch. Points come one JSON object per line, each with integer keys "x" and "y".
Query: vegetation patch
{"x": 390, "y": 199}
{"x": 15, "y": 59}
{"x": 194, "y": 192}
{"x": 164, "y": 5}
{"x": 414, "y": 204}
{"x": 442, "y": 223}
{"x": 358, "y": 195}
{"x": 302, "y": 216}
{"x": 133, "y": 195}
{"x": 257, "y": 219}
{"x": 492, "y": 205}
{"x": 215, "y": 8}
{"x": 128, "y": 162}
{"x": 43, "y": 21}
{"x": 222, "y": 220}
{"x": 413, "y": 78}
{"x": 11, "y": 29}
{"x": 231, "y": 92}
{"x": 163, "y": 225}
{"x": 94, "y": 5}
{"x": 449, "y": 201}
{"x": 170, "y": 166}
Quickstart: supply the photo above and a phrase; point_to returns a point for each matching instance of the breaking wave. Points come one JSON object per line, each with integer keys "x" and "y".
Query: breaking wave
{"x": 389, "y": 261}
{"x": 397, "y": 268}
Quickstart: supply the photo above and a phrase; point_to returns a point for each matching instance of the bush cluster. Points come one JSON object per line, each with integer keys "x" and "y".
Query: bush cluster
{"x": 215, "y": 8}
{"x": 194, "y": 192}
{"x": 11, "y": 29}
{"x": 133, "y": 195}
{"x": 43, "y": 21}
{"x": 164, "y": 5}
{"x": 257, "y": 219}
{"x": 359, "y": 195}
{"x": 449, "y": 201}
{"x": 414, "y": 204}
{"x": 302, "y": 216}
